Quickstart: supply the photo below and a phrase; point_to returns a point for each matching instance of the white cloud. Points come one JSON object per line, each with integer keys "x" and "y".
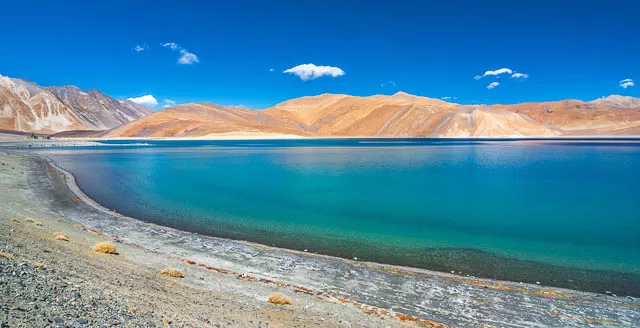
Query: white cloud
{"x": 186, "y": 58}
{"x": 310, "y": 71}
{"x": 388, "y": 83}
{"x": 520, "y": 76}
{"x": 271, "y": 69}
{"x": 449, "y": 98}
{"x": 494, "y": 73}
{"x": 146, "y": 100}
{"x": 171, "y": 45}
{"x": 626, "y": 83}
{"x": 168, "y": 103}
{"x": 493, "y": 85}
{"x": 140, "y": 48}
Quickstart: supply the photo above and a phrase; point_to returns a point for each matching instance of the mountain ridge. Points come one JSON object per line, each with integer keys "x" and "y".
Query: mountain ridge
{"x": 398, "y": 115}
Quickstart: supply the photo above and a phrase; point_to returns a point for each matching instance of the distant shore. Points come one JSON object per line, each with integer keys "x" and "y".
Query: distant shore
{"x": 315, "y": 278}
{"x": 72, "y": 141}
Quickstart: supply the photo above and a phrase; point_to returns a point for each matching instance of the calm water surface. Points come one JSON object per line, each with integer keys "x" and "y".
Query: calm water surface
{"x": 565, "y": 213}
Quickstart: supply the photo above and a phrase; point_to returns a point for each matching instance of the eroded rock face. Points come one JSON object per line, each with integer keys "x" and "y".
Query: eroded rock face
{"x": 28, "y": 107}
{"x": 616, "y": 101}
{"x": 98, "y": 109}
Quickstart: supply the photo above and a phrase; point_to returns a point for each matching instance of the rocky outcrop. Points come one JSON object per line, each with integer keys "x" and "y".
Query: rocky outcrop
{"x": 98, "y": 109}
{"x": 617, "y": 101}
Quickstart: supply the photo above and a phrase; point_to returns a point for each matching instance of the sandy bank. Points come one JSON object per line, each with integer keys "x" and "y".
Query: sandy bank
{"x": 326, "y": 291}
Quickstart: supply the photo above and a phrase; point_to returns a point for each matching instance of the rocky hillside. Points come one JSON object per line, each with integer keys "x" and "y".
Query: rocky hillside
{"x": 28, "y": 107}
{"x": 399, "y": 115}
{"x": 206, "y": 119}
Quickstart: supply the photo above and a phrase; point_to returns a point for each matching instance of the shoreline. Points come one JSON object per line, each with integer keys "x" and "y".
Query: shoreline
{"x": 255, "y": 135}
{"x": 382, "y": 287}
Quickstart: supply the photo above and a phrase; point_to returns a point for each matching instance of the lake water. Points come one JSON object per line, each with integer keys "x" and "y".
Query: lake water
{"x": 562, "y": 213}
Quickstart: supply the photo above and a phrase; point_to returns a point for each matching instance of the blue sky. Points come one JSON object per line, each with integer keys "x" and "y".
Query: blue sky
{"x": 237, "y": 52}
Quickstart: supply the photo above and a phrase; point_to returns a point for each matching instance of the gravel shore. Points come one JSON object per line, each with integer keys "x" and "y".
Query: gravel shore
{"x": 50, "y": 283}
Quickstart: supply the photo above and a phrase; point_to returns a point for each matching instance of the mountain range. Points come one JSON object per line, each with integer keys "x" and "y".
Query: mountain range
{"x": 24, "y": 106}
{"x": 399, "y": 115}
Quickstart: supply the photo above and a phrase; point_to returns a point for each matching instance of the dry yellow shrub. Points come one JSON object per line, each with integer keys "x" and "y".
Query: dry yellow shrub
{"x": 29, "y": 220}
{"x": 103, "y": 247}
{"x": 166, "y": 320}
{"x": 172, "y": 273}
{"x": 39, "y": 265}
{"x": 39, "y": 224}
{"x": 58, "y": 220}
{"x": 14, "y": 220}
{"x": 132, "y": 309}
{"x": 60, "y": 236}
{"x": 279, "y": 299}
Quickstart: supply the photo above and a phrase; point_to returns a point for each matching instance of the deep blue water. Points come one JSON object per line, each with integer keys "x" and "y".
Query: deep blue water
{"x": 528, "y": 211}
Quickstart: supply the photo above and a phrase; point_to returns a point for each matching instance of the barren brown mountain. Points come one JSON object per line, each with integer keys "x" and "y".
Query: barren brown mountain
{"x": 573, "y": 117}
{"x": 205, "y": 119}
{"x": 27, "y": 107}
{"x": 399, "y": 115}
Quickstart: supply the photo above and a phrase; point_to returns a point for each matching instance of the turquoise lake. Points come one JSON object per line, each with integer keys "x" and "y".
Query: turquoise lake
{"x": 563, "y": 213}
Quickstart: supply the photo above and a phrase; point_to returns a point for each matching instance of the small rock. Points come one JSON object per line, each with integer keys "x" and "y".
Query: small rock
{"x": 83, "y": 321}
